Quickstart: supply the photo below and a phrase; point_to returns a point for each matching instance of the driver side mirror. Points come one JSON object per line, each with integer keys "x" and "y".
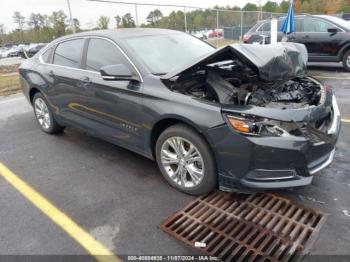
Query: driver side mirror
{"x": 332, "y": 30}
{"x": 119, "y": 72}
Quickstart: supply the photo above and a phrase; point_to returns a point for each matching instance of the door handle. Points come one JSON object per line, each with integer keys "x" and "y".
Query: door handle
{"x": 306, "y": 36}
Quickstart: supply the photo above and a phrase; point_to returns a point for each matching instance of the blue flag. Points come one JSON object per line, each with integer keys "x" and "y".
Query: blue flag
{"x": 289, "y": 23}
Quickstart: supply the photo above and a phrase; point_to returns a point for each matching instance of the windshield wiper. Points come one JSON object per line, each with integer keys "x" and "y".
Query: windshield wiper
{"x": 159, "y": 74}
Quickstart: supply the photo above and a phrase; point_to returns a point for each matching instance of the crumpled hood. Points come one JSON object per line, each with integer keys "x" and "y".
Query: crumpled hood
{"x": 277, "y": 62}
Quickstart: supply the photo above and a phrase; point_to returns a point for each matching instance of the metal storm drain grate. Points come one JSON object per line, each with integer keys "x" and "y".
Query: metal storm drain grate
{"x": 240, "y": 227}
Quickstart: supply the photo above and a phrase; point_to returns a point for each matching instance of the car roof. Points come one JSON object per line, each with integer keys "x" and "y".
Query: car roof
{"x": 296, "y": 16}
{"x": 118, "y": 36}
{"x": 323, "y": 17}
{"x": 123, "y": 33}
{"x": 279, "y": 18}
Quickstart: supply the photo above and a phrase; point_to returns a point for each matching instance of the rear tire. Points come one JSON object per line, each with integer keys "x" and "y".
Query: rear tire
{"x": 44, "y": 115}
{"x": 185, "y": 160}
{"x": 346, "y": 61}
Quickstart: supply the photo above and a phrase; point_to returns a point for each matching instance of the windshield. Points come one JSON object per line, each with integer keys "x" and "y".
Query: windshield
{"x": 337, "y": 20}
{"x": 162, "y": 53}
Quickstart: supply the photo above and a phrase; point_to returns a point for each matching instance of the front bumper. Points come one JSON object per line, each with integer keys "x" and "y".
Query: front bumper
{"x": 271, "y": 162}
{"x": 280, "y": 179}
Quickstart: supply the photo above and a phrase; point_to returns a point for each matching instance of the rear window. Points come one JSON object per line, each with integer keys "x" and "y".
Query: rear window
{"x": 298, "y": 25}
{"x": 68, "y": 53}
{"x": 253, "y": 29}
{"x": 265, "y": 27}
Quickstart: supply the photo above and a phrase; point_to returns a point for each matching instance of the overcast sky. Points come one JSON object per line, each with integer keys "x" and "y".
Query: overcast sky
{"x": 88, "y": 12}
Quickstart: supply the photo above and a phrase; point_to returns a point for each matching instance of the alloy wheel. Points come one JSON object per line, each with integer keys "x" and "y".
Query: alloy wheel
{"x": 182, "y": 162}
{"x": 348, "y": 61}
{"x": 42, "y": 113}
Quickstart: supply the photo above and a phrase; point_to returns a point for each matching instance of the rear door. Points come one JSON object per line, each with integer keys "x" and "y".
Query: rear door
{"x": 65, "y": 76}
{"x": 111, "y": 109}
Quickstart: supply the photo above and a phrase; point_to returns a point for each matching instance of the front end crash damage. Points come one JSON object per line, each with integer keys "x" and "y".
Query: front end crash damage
{"x": 282, "y": 126}
{"x": 249, "y": 75}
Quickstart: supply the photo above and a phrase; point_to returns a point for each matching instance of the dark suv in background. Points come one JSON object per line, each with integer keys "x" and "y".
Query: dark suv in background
{"x": 327, "y": 38}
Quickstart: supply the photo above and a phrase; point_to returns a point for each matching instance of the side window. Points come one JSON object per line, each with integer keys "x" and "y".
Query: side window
{"x": 68, "y": 53}
{"x": 102, "y": 53}
{"x": 265, "y": 27}
{"x": 279, "y": 24}
{"x": 298, "y": 25}
{"x": 316, "y": 25}
{"x": 47, "y": 55}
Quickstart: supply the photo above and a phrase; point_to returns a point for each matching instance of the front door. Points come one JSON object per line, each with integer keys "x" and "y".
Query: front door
{"x": 112, "y": 109}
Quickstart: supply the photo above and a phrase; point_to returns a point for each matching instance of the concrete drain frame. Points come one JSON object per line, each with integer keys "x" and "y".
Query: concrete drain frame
{"x": 241, "y": 227}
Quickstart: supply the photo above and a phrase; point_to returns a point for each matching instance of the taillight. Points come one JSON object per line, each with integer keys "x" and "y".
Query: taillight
{"x": 246, "y": 37}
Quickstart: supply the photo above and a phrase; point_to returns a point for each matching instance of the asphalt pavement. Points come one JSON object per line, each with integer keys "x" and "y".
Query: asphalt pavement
{"x": 120, "y": 198}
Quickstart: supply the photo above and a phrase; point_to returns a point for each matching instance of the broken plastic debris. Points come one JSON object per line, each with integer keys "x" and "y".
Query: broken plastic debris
{"x": 311, "y": 199}
{"x": 200, "y": 244}
{"x": 347, "y": 213}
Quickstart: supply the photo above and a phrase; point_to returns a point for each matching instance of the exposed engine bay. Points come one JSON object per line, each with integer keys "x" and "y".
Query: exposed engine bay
{"x": 279, "y": 81}
{"x": 232, "y": 86}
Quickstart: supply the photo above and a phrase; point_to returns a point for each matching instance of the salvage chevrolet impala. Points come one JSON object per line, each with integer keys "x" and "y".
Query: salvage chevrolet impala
{"x": 240, "y": 117}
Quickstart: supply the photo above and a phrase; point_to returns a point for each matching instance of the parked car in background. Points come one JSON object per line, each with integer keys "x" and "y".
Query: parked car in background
{"x": 243, "y": 116}
{"x": 13, "y": 51}
{"x": 327, "y": 38}
{"x": 31, "y": 51}
{"x": 346, "y": 16}
{"x": 216, "y": 33}
{"x": 23, "y": 46}
{"x": 4, "y": 52}
{"x": 199, "y": 34}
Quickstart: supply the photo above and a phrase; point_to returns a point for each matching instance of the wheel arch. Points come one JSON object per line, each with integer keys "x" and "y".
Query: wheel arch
{"x": 32, "y": 93}
{"x": 165, "y": 123}
{"x": 343, "y": 50}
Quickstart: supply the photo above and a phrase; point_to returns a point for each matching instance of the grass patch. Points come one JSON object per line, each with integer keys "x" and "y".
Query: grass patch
{"x": 5, "y": 69}
{"x": 219, "y": 42}
{"x": 9, "y": 84}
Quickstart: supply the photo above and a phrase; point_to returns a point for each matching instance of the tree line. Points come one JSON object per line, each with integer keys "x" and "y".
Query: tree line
{"x": 44, "y": 28}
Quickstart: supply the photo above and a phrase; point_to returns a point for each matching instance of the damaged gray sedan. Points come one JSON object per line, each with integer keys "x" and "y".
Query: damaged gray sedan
{"x": 240, "y": 117}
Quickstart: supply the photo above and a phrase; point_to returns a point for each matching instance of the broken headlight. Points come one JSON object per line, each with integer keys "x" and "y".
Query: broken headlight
{"x": 257, "y": 126}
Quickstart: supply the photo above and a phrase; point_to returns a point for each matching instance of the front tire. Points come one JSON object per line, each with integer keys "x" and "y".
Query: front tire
{"x": 44, "y": 116}
{"x": 185, "y": 160}
{"x": 346, "y": 61}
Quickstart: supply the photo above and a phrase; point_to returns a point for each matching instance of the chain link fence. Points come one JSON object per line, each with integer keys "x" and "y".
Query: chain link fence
{"x": 207, "y": 22}
{"x": 236, "y": 24}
